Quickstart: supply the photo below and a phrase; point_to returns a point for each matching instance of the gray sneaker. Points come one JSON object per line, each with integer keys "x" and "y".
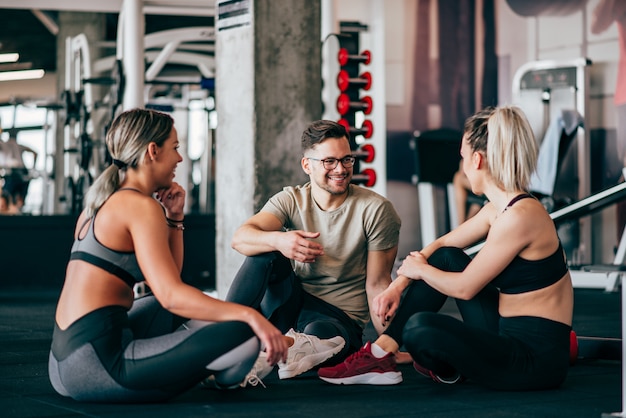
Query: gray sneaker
{"x": 307, "y": 352}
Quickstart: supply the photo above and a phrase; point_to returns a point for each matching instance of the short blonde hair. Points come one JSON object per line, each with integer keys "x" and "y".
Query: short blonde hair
{"x": 505, "y": 137}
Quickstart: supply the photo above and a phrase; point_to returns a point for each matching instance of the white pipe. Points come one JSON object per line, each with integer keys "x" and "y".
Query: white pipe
{"x": 133, "y": 50}
{"x": 167, "y": 7}
{"x": 80, "y": 47}
{"x": 194, "y": 34}
{"x": 327, "y": 19}
{"x": 68, "y": 63}
{"x": 119, "y": 45}
{"x": 205, "y": 63}
{"x": 161, "y": 60}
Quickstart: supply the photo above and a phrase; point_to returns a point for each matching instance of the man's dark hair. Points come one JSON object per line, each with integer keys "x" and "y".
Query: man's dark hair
{"x": 320, "y": 130}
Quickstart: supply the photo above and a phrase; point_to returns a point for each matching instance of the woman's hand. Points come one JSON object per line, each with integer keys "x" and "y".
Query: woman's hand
{"x": 275, "y": 343}
{"x": 412, "y": 264}
{"x": 173, "y": 200}
{"x": 386, "y": 303}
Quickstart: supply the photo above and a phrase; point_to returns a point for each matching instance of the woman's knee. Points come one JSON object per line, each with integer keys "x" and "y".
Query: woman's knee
{"x": 449, "y": 259}
{"x": 420, "y": 328}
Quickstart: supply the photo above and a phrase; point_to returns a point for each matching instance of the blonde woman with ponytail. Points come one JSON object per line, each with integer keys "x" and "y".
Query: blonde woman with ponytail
{"x": 515, "y": 295}
{"x": 108, "y": 346}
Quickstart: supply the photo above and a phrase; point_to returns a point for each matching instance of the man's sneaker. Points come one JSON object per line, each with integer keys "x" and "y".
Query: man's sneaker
{"x": 307, "y": 352}
{"x": 363, "y": 368}
{"x": 259, "y": 371}
{"x": 457, "y": 378}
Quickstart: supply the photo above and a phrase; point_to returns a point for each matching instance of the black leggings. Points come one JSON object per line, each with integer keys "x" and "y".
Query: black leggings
{"x": 517, "y": 353}
{"x": 268, "y": 283}
{"x": 146, "y": 354}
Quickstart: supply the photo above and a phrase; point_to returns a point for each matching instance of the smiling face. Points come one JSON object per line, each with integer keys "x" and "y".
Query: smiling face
{"x": 334, "y": 181}
{"x": 167, "y": 157}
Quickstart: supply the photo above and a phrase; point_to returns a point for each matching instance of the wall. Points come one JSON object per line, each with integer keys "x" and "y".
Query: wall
{"x": 44, "y": 88}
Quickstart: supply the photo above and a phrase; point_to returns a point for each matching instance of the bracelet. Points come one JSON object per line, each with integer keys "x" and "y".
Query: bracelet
{"x": 178, "y": 225}
{"x": 174, "y": 221}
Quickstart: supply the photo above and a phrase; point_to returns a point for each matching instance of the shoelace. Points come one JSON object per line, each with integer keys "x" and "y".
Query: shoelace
{"x": 308, "y": 338}
{"x": 299, "y": 335}
{"x": 359, "y": 354}
{"x": 253, "y": 380}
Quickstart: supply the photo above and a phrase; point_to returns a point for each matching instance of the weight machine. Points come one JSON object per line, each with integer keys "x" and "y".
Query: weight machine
{"x": 84, "y": 158}
{"x": 545, "y": 89}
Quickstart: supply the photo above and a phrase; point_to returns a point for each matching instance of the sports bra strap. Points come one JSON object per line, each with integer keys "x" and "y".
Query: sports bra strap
{"x": 518, "y": 198}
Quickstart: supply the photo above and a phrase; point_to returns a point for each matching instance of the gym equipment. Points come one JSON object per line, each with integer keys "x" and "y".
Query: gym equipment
{"x": 344, "y": 81}
{"x": 546, "y": 90}
{"x": 366, "y": 129}
{"x": 344, "y": 57}
{"x": 585, "y": 207}
{"x": 19, "y": 171}
{"x": 367, "y": 177}
{"x": 366, "y": 153}
{"x": 345, "y": 104}
{"x": 180, "y": 68}
{"x": 79, "y": 101}
{"x": 436, "y": 160}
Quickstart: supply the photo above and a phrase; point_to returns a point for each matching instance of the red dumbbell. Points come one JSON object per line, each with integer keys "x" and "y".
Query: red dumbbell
{"x": 367, "y": 177}
{"x": 363, "y": 81}
{"x": 344, "y": 57}
{"x": 367, "y": 153}
{"x": 344, "y": 105}
{"x": 366, "y": 129}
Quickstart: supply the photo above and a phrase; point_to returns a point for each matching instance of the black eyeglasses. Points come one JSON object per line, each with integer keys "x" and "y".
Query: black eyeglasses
{"x": 331, "y": 163}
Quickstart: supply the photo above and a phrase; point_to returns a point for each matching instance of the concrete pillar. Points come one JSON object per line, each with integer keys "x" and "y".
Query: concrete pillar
{"x": 93, "y": 25}
{"x": 268, "y": 88}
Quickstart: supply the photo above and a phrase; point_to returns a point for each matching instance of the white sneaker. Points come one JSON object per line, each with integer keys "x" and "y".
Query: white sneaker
{"x": 259, "y": 371}
{"x": 307, "y": 352}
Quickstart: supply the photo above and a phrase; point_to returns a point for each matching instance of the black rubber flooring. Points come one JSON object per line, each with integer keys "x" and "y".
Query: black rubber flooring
{"x": 593, "y": 386}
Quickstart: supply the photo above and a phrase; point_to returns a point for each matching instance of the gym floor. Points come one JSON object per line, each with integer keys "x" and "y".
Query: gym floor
{"x": 593, "y": 386}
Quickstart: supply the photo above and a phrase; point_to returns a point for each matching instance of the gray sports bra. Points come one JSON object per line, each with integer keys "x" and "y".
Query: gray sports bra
{"x": 122, "y": 264}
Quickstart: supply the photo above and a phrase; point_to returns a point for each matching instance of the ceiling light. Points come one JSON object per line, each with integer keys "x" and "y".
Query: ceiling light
{"x": 21, "y": 75}
{"x": 13, "y": 57}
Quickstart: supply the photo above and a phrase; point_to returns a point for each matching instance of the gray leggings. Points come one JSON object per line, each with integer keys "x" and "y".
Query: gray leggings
{"x": 145, "y": 354}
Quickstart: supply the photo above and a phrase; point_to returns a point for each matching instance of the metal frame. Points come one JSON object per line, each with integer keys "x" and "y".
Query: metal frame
{"x": 582, "y": 136}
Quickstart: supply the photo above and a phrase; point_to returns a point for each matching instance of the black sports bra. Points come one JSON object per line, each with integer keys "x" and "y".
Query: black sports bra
{"x": 523, "y": 275}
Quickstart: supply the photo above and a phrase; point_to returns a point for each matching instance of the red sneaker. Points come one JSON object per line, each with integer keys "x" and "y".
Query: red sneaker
{"x": 363, "y": 368}
{"x": 457, "y": 378}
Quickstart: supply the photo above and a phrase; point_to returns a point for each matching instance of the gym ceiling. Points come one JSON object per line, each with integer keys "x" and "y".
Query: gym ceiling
{"x": 28, "y": 26}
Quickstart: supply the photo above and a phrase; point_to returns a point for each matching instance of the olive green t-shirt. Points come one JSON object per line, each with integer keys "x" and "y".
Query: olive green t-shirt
{"x": 366, "y": 221}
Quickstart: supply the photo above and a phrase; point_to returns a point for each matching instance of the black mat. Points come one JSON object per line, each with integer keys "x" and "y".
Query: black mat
{"x": 593, "y": 386}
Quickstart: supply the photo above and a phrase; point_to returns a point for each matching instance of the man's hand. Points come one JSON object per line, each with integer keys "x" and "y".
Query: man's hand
{"x": 299, "y": 246}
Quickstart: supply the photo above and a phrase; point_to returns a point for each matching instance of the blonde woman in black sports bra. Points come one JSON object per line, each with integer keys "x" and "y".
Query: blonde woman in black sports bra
{"x": 515, "y": 296}
{"x": 109, "y": 347}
